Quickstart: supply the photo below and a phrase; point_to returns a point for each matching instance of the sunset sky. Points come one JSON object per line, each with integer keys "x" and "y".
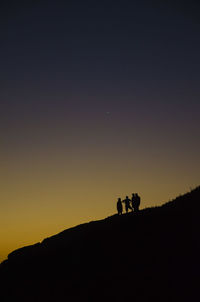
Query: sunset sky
{"x": 98, "y": 99}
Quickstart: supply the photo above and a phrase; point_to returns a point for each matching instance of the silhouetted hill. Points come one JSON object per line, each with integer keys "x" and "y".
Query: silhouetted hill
{"x": 149, "y": 256}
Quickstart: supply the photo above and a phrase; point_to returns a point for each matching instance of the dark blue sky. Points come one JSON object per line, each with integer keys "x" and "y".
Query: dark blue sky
{"x": 79, "y": 59}
{"x": 110, "y": 48}
{"x": 76, "y": 60}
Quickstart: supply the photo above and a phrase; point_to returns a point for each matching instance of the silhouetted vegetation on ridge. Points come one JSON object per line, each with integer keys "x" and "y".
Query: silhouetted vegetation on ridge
{"x": 152, "y": 255}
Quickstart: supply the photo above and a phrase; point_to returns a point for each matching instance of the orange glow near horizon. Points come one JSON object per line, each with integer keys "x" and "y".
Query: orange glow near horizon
{"x": 43, "y": 196}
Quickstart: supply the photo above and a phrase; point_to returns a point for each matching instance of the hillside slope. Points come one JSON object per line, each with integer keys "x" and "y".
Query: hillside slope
{"x": 149, "y": 256}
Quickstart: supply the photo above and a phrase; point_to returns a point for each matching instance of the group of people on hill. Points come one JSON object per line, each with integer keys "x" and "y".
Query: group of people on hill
{"x": 132, "y": 204}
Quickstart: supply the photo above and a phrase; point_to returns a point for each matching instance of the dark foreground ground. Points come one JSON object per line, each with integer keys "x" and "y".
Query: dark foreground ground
{"x": 149, "y": 256}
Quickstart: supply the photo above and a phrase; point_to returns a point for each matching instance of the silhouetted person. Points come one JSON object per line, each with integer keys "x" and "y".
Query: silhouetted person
{"x": 119, "y": 206}
{"x": 127, "y": 204}
{"x": 135, "y": 202}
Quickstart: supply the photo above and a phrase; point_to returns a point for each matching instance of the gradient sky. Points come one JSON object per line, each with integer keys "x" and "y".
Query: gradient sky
{"x": 97, "y": 100}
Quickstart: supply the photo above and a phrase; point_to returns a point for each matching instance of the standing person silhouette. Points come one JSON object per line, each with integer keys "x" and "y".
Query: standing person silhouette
{"x": 136, "y": 202}
{"x": 119, "y": 206}
{"x": 127, "y": 204}
{"x": 133, "y": 201}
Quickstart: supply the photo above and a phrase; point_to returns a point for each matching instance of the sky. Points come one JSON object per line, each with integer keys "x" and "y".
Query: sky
{"x": 98, "y": 100}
